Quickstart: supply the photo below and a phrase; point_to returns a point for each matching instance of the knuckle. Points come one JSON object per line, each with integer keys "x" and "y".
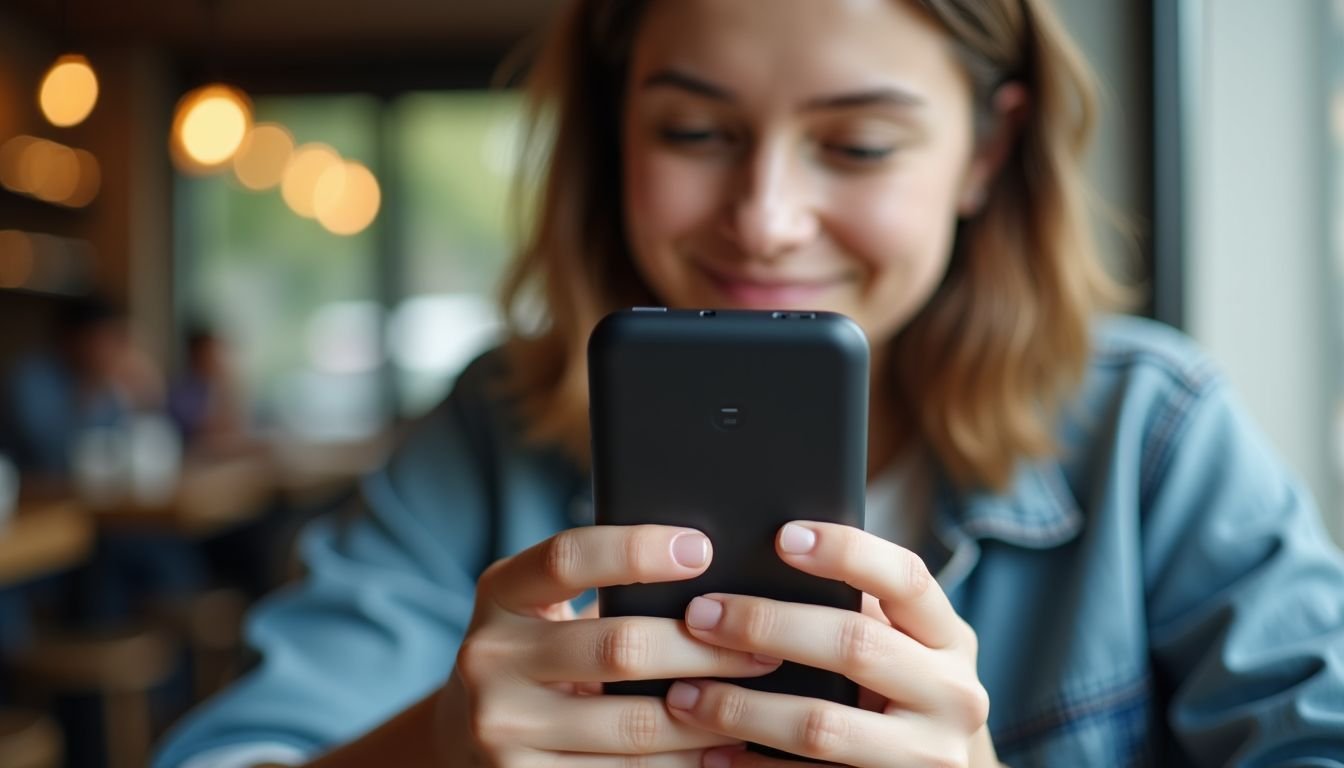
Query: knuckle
{"x": 972, "y": 705}
{"x": 724, "y": 658}
{"x": 970, "y": 641}
{"x": 824, "y": 732}
{"x": 727, "y": 710}
{"x": 859, "y": 642}
{"x": 625, "y": 649}
{"x": 759, "y": 621}
{"x": 633, "y": 553}
{"x": 939, "y": 752}
{"x": 952, "y": 755}
{"x": 478, "y": 658}
{"x": 918, "y": 578}
{"x": 488, "y": 577}
{"x": 639, "y": 727}
{"x": 561, "y": 559}
{"x": 492, "y": 726}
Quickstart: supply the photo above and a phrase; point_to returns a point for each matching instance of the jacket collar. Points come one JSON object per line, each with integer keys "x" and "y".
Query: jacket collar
{"x": 1037, "y": 511}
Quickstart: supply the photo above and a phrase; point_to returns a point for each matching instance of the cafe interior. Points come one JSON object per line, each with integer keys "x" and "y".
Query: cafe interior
{"x": 275, "y": 229}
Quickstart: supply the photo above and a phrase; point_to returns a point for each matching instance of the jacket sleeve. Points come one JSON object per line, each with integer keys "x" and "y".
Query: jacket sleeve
{"x": 1246, "y": 596}
{"x": 377, "y": 621}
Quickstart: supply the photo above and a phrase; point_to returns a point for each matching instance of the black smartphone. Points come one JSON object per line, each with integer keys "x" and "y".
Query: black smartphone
{"x": 732, "y": 422}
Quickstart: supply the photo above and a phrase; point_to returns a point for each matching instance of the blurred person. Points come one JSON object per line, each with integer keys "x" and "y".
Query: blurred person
{"x": 93, "y": 377}
{"x": 207, "y": 404}
{"x": 96, "y": 380}
{"x": 206, "y": 400}
{"x": 1089, "y": 555}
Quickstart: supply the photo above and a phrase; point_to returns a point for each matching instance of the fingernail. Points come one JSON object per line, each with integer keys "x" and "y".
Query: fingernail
{"x": 720, "y": 758}
{"x": 682, "y": 695}
{"x": 690, "y": 550}
{"x": 797, "y": 540}
{"x": 703, "y": 613}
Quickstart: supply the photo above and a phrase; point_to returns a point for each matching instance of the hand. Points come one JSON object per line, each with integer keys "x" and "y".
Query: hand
{"x": 909, "y": 651}
{"x": 527, "y": 686}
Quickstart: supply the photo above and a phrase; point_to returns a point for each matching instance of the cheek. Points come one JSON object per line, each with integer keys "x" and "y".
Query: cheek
{"x": 901, "y": 231}
{"x": 666, "y": 199}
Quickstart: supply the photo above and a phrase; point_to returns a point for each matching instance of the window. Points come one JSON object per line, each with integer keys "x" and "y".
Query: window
{"x": 456, "y": 156}
{"x": 333, "y": 335}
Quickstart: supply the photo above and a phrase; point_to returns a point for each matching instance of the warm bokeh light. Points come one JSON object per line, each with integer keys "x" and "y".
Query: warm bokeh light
{"x": 347, "y": 198}
{"x": 90, "y": 180}
{"x": 260, "y": 162}
{"x": 50, "y": 171}
{"x": 69, "y": 91}
{"x": 209, "y": 127}
{"x": 33, "y": 165}
{"x": 16, "y": 258}
{"x": 11, "y": 162}
{"x": 306, "y": 166}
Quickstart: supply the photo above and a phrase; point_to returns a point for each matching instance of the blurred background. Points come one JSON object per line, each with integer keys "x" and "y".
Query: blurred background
{"x": 244, "y": 243}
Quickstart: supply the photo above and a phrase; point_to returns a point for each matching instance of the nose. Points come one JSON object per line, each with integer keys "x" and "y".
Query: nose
{"x": 773, "y": 212}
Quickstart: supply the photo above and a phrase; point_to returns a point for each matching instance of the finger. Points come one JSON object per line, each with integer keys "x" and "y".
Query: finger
{"x": 738, "y": 757}
{"x": 608, "y": 725}
{"x": 631, "y": 648}
{"x": 684, "y": 759}
{"x": 870, "y": 652}
{"x": 871, "y": 607}
{"x": 907, "y": 593}
{"x": 813, "y": 728}
{"x": 589, "y": 611}
{"x": 574, "y": 561}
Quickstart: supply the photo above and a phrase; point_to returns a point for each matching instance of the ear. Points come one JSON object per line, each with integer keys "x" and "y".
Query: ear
{"x": 1009, "y": 107}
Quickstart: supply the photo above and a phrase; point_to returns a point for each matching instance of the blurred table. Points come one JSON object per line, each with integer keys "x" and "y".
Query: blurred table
{"x": 44, "y": 537}
{"x": 312, "y": 473}
{"x": 218, "y": 492}
{"x": 211, "y": 496}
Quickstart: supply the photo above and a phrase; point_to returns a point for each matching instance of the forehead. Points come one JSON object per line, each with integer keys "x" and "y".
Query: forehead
{"x": 796, "y": 47}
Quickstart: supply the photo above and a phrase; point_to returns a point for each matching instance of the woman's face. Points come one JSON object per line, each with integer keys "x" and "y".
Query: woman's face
{"x": 797, "y": 154}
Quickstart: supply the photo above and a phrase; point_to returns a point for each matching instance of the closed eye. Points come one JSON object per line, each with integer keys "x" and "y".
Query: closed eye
{"x": 859, "y": 153}
{"x": 691, "y": 136}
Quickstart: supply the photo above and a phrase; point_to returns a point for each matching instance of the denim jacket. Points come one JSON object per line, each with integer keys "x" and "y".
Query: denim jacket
{"x": 1160, "y": 593}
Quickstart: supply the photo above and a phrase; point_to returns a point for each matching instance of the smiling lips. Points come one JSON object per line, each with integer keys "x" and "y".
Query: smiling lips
{"x": 772, "y": 293}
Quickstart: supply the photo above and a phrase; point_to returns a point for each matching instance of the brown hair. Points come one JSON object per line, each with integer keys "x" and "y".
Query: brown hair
{"x": 987, "y": 360}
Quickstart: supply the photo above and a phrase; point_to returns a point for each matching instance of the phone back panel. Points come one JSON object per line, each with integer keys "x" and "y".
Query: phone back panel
{"x": 732, "y": 423}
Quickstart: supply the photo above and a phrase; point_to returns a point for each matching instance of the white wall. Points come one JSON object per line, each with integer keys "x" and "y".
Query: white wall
{"x": 1258, "y": 277}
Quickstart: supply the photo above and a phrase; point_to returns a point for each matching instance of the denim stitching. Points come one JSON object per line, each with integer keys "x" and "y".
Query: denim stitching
{"x": 1040, "y": 534}
{"x": 1160, "y": 438}
{"x": 1164, "y": 441}
{"x": 1067, "y": 714}
{"x": 1035, "y": 527}
{"x": 1191, "y": 375}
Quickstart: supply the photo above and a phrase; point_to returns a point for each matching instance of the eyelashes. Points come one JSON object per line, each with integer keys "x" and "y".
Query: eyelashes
{"x": 711, "y": 140}
{"x": 696, "y": 137}
{"x": 861, "y": 153}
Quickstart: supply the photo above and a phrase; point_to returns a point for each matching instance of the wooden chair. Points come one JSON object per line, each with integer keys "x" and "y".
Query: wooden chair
{"x": 29, "y": 739}
{"x": 121, "y": 668}
{"x": 211, "y": 625}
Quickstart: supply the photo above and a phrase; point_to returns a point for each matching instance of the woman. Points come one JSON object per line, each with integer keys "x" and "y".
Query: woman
{"x": 1124, "y": 574}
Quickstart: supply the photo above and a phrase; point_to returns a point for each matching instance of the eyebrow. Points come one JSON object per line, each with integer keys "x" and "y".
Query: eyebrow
{"x": 881, "y": 96}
